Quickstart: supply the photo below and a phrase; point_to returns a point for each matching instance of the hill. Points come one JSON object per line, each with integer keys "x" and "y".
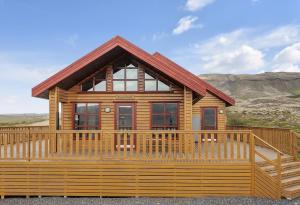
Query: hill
{"x": 268, "y": 99}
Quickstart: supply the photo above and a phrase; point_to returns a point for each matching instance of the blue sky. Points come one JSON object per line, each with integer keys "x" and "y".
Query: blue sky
{"x": 38, "y": 38}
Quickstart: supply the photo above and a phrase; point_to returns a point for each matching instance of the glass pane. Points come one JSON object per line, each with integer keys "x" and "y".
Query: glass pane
{"x": 118, "y": 86}
{"x": 150, "y": 85}
{"x": 157, "y": 120}
{"x": 80, "y": 108}
{"x": 162, "y": 87}
{"x": 131, "y": 65}
{"x": 87, "y": 85}
{"x": 125, "y": 109}
{"x": 100, "y": 85}
{"x": 147, "y": 76}
{"x": 171, "y": 107}
{"x": 171, "y": 120}
{"x": 93, "y": 120}
{"x": 79, "y": 120}
{"x": 157, "y": 108}
{"x": 131, "y": 73}
{"x": 209, "y": 117}
{"x": 132, "y": 85}
{"x": 119, "y": 74}
{"x": 93, "y": 108}
{"x": 125, "y": 121}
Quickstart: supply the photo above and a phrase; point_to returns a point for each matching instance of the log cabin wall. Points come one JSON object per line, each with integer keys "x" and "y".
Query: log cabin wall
{"x": 211, "y": 101}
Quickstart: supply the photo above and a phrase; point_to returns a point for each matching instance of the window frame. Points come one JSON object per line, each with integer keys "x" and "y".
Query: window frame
{"x": 165, "y": 114}
{"x": 86, "y": 114}
{"x": 125, "y": 79}
{"x": 156, "y": 79}
{"x": 93, "y": 77}
{"x": 202, "y": 117}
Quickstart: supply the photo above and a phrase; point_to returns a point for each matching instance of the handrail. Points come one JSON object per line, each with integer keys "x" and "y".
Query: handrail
{"x": 266, "y": 143}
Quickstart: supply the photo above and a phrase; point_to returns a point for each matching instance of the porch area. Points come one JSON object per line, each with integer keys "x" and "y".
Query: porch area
{"x": 169, "y": 163}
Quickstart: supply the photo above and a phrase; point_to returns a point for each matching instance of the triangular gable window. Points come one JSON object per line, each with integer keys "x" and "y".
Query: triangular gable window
{"x": 95, "y": 83}
{"x": 153, "y": 83}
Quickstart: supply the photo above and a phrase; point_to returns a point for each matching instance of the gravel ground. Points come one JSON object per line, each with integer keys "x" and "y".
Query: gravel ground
{"x": 143, "y": 201}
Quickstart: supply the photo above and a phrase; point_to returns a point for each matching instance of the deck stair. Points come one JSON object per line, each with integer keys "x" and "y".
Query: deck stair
{"x": 290, "y": 176}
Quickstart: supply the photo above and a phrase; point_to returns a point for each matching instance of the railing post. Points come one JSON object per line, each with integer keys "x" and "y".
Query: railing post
{"x": 28, "y": 145}
{"x": 252, "y": 161}
{"x": 279, "y": 174}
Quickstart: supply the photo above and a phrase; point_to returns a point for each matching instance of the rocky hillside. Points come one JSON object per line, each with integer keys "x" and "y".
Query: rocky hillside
{"x": 269, "y": 99}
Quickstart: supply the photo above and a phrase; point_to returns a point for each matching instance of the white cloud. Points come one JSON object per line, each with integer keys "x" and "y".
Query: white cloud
{"x": 194, "y": 5}
{"x": 244, "y": 50}
{"x": 244, "y": 57}
{"x": 184, "y": 24}
{"x": 288, "y": 59}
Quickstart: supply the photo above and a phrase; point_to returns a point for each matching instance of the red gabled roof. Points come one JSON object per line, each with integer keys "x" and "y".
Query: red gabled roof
{"x": 195, "y": 79}
{"x": 105, "y": 48}
{"x": 157, "y": 61}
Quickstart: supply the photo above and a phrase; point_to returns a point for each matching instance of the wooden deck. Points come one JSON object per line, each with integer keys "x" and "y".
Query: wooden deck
{"x": 139, "y": 163}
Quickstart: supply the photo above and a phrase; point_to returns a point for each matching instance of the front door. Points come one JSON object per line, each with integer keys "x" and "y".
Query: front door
{"x": 125, "y": 120}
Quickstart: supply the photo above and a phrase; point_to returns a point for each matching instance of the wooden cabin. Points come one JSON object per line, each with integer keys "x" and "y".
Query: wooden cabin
{"x": 119, "y": 86}
{"x": 126, "y": 123}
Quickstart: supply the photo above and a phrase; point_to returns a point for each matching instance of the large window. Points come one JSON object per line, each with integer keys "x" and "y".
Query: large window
{"x": 125, "y": 77}
{"x": 164, "y": 115}
{"x": 209, "y": 118}
{"x": 154, "y": 84}
{"x": 86, "y": 116}
{"x": 95, "y": 83}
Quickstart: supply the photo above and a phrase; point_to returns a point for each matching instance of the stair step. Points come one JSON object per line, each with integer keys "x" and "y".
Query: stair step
{"x": 291, "y": 181}
{"x": 284, "y": 159}
{"x": 285, "y": 166}
{"x": 288, "y": 173}
{"x": 291, "y": 192}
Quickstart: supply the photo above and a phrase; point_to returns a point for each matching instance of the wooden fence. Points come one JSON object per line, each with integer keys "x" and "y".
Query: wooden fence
{"x": 284, "y": 140}
{"x": 129, "y": 145}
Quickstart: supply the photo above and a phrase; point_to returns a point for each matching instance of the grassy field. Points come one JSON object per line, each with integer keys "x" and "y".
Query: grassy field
{"x": 21, "y": 119}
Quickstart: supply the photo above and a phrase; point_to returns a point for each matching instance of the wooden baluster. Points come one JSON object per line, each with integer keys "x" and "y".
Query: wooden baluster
{"x": 163, "y": 145}
{"x": 33, "y": 142}
{"x": 150, "y": 145}
{"x": 101, "y": 144}
{"x": 231, "y": 146}
{"x": 131, "y": 145}
{"x": 77, "y": 144}
{"x": 169, "y": 145}
{"x": 71, "y": 142}
{"x": 125, "y": 145}
{"x": 156, "y": 146}
{"x": 138, "y": 145}
{"x": 199, "y": 145}
{"x": 212, "y": 140}
{"x": 119, "y": 145}
{"x": 83, "y": 144}
{"x": 238, "y": 138}
{"x": 144, "y": 137}
{"x": 225, "y": 145}
{"x": 192, "y": 145}
{"x": 65, "y": 144}
{"x": 175, "y": 142}
{"x": 23, "y": 138}
{"x": 206, "y": 145}
{"x": 46, "y": 145}
{"x": 11, "y": 145}
{"x": 17, "y": 138}
{"x": 96, "y": 145}
{"x": 180, "y": 144}
{"x": 40, "y": 138}
{"x": 244, "y": 146}
{"x": 219, "y": 140}
{"x": 90, "y": 145}
{"x": 112, "y": 145}
{"x": 1, "y": 145}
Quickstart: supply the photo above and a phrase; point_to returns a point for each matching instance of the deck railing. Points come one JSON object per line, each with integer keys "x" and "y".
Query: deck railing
{"x": 127, "y": 145}
{"x": 285, "y": 140}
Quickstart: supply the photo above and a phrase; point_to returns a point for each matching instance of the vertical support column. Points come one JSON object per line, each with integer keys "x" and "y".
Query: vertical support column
{"x": 54, "y": 108}
{"x": 252, "y": 161}
{"x": 109, "y": 77}
{"x": 188, "y": 106}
